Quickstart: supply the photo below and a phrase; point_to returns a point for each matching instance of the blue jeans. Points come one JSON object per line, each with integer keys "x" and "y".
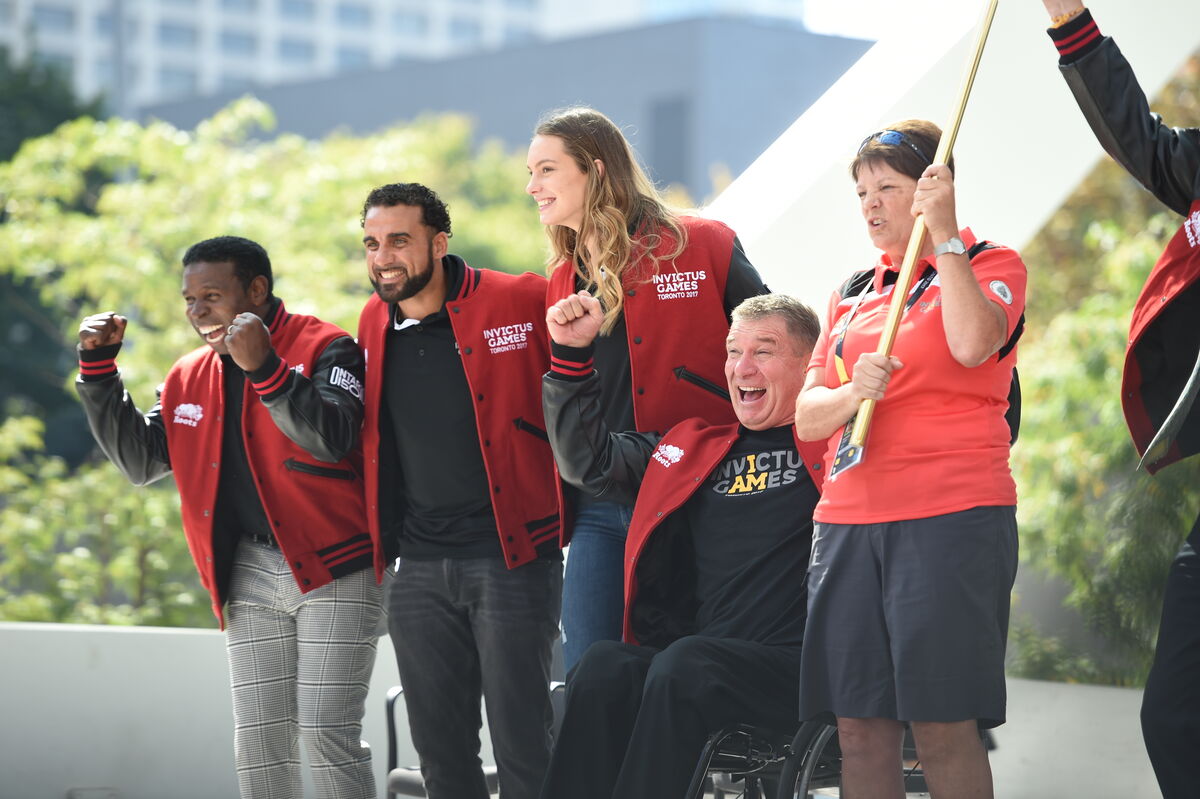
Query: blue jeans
{"x": 593, "y": 601}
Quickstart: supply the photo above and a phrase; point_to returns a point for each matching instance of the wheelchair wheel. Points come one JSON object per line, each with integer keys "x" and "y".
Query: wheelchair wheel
{"x": 815, "y": 767}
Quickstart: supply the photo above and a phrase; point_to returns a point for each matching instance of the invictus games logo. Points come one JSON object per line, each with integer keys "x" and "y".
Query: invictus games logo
{"x": 668, "y": 454}
{"x": 1192, "y": 228}
{"x": 678, "y": 285}
{"x": 755, "y": 473}
{"x": 507, "y": 338}
{"x": 347, "y": 382}
{"x": 189, "y": 414}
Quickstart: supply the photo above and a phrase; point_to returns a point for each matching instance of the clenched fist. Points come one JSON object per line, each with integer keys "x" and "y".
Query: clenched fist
{"x": 575, "y": 321}
{"x": 248, "y": 341}
{"x": 101, "y": 330}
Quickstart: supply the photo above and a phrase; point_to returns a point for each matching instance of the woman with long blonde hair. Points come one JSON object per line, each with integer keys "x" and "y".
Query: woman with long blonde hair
{"x": 667, "y": 283}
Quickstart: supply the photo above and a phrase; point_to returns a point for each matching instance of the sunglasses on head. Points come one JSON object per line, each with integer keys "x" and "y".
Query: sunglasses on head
{"x": 893, "y": 138}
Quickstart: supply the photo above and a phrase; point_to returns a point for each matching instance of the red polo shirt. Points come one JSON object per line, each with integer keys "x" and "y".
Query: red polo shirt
{"x": 938, "y": 441}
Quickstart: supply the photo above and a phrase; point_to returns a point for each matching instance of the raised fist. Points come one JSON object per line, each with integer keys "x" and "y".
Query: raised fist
{"x": 575, "y": 321}
{"x": 101, "y": 330}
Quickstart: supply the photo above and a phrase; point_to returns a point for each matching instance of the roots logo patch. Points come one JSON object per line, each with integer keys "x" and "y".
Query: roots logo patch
{"x": 1192, "y": 228}
{"x": 668, "y": 454}
{"x": 188, "y": 413}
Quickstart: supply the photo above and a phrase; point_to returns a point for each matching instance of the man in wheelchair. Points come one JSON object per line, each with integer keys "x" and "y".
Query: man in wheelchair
{"x": 715, "y": 560}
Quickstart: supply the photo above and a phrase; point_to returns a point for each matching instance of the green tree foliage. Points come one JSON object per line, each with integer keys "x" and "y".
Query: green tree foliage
{"x": 1086, "y": 515}
{"x": 98, "y": 216}
{"x": 35, "y": 98}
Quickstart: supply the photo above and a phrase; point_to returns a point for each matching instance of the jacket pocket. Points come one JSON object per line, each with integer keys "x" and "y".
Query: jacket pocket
{"x": 531, "y": 428}
{"x": 682, "y": 373}
{"x": 294, "y": 465}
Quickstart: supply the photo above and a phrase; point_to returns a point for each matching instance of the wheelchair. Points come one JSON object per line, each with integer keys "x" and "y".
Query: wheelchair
{"x": 756, "y": 763}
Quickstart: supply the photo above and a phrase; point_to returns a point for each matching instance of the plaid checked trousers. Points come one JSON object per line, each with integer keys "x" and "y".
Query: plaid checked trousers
{"x": 299, "y": 666}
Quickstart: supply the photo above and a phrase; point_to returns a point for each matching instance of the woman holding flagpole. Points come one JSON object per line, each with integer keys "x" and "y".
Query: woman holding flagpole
{"x": 915, "y": 547}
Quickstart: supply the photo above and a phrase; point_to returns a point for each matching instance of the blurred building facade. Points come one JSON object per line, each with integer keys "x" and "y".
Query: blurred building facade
{"x": 699, "y": 98}
{"x": 177, "y": 48}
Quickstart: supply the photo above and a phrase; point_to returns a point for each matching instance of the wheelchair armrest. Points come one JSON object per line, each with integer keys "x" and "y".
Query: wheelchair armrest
{"x": 393, "y": 694}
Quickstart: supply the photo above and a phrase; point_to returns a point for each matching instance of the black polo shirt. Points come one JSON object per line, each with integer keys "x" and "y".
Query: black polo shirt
{"x": 428, "y": 401}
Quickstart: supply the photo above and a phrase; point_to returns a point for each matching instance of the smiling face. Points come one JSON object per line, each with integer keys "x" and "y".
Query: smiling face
{"x": 556, "y": 182}
{"x": 402, "y": 251}
{"x": 214, "y": 295}
{"x": 886, "y": 197}
{"x": 764, "y": 371}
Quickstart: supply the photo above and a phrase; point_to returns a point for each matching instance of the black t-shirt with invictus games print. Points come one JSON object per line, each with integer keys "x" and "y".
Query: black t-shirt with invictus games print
{"x": 751, "y": 525}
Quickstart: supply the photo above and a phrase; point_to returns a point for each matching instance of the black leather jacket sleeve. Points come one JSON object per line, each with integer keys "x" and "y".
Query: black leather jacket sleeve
{"x": 136, "y": 443}
{"x": 1165, "y": 160}
{"x": 321, "y": 413}
{"x": 606, "y": 465}
{"x": 743, "y": 280}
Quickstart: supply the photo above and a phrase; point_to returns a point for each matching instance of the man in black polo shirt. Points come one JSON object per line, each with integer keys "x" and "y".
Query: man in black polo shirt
{"x": 460, "y": 484}
{"x": 714, "y": 564}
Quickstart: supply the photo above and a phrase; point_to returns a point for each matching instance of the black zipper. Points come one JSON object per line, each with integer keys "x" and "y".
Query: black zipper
{"x": 682, "y": 373}
{"x": 294, "y": 465}
{"x": 531, "y": 428}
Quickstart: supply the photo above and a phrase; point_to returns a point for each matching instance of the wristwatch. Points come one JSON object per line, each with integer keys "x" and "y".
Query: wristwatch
{"x": 953, "y": 244}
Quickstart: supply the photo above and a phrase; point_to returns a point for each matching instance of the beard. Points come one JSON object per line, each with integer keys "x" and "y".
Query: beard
{"x": 412, "y": 284}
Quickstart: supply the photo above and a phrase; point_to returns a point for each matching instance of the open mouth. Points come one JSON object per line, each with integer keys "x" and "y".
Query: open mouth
{"x": 545, "y": 203}
{"x": 389, "y": 275}
{"x": 211, "y": 333}
{"x": 750, "y": 394}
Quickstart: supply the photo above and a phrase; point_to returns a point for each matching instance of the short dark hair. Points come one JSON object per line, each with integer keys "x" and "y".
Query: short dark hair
{"x": 248, "y": 257}
{"x": 434, "y": 213}
{"x": 802, "y": 323}
{"x": 909, "y": 149}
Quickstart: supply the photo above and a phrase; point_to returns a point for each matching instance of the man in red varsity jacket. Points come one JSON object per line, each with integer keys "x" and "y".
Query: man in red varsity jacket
{"x": 715, "y": 599}
{"x": 461, "y": 485}
{"x": 260, "y": 427}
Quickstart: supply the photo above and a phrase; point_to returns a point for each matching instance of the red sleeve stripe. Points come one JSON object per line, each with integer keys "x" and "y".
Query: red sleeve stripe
{"x": 275, "y": 381}
{"x": 575, "y": 368}
{"x": 1078, "y": 40}
{"x": 98, "y": 367}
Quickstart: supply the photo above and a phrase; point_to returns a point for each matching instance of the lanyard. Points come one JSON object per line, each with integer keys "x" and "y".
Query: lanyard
{"x": 926, "y": 279}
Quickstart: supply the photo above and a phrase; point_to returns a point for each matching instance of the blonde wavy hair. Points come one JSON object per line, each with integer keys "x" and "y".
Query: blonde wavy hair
{"x": 617, "y": 199}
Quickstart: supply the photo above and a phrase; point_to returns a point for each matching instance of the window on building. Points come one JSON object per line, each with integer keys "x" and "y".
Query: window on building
{"x": 464, "y": 30}
{"x": 298, "y": 9}
{"x": 106, "y": 26}
{"x": 297, "y": 51}
{"x": 519, "y": 34}
{"x": 244, "y": 6}
{"x": 410, "y": 23}
{"x": 238, "y": 43}
{"x": 354, "y": 15}
{"x": 6, "y": 11}
{"x": 177, "y": 35}
{"x": 176, "y": 81}
{"x": 53, "y": 18}
{"x": 62, "y": 63}
{"x": 353, "y": 58}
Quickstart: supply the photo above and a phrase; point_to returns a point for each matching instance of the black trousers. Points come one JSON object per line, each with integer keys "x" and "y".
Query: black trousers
{"x": 1171, "y": 702}
{"x": 466, "y": 628}
{"x": 636, "y": 717}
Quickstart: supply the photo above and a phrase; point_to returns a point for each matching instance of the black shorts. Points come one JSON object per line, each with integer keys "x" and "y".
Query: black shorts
{"x": 908, "y": 620}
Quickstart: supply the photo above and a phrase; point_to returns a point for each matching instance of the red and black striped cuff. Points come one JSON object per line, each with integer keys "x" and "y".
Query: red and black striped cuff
{"x": 571, "y": 363}
{"x": 98, "y": 364}
{"x": 1076, "y": 38}
{"x": 271, "y": 379}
